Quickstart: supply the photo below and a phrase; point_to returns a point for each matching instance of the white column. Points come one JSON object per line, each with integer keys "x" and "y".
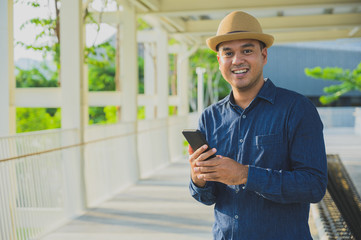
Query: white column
{"x": 182, "y": 81}
{"x": 162, "y": 73}
{"x": 7, "y": 78}
{"x": 129, "y": 82}
{"x": 129, "y": 64}
{"x": 7, "y": 116}
{"x": 74, "y": 104}
{"x": 72, "y": 64}
{"x": 200, "y": 78}
{"x": 149, "y": 77}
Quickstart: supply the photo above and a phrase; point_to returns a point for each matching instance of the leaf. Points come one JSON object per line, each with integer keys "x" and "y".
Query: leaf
{"x": 350, "y": 80}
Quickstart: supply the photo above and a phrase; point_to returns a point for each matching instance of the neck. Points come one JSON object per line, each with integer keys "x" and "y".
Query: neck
{"x": 244, "y": 97}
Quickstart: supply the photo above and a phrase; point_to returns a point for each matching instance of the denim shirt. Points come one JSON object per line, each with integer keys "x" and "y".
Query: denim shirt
{"x": 279, "y": 135}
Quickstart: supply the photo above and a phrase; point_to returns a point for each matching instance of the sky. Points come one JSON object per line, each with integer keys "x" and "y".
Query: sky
{"x": 23, "y": 12}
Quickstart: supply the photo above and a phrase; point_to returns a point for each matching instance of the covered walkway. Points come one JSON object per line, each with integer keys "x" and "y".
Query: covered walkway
{"x": 128, "y": 179}
{"x": 160, "y": 207}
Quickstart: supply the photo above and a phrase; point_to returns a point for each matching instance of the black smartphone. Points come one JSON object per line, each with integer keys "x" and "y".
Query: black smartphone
{"x": 196, "y": 139}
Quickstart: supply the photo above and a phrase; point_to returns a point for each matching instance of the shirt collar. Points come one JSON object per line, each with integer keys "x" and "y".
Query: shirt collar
{"x": 267, "y": 92}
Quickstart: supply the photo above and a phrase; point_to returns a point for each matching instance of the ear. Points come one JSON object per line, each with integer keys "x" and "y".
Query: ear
{"x": 219, "y": 64}
{"x": 264, "y": 55}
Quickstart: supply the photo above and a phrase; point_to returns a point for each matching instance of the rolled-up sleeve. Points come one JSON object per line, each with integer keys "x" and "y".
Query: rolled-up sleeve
{"x": 205, "y": 194}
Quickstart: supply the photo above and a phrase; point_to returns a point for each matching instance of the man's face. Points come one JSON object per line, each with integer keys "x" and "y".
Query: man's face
{"x": 241, "y": 63}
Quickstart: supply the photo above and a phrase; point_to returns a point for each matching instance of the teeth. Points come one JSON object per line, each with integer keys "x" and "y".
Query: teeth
{"x": 241, "y": 71}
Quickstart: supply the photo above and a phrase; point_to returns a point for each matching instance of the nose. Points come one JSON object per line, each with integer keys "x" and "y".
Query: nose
{"x": 237, "y": 59}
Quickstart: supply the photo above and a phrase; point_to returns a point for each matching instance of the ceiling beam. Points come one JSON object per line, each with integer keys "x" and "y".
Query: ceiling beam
{"x": 307, "y": 35}
{"x": 319, "y": 35}
{"x": 185, "y": 7}
{"x": 153, "y": 5}
{"x": 285, "y": 22}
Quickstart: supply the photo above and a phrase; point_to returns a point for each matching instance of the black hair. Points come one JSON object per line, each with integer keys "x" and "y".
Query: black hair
{"x": 262, "y": 45}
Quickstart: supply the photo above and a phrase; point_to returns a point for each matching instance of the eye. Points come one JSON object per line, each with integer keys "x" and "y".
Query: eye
{"x": 247, "y": 51}
{"x": 227, "y": 54}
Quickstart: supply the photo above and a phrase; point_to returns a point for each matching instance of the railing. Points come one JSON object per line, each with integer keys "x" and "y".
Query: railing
{"x": 33, "y": 180}
{"x": 44, "y": 181}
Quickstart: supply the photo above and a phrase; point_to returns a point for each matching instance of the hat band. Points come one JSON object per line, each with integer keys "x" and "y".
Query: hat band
{"x": 236, "y": 32}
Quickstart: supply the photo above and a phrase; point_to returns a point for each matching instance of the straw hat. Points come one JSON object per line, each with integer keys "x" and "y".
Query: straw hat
{"x": 239, "y": 25}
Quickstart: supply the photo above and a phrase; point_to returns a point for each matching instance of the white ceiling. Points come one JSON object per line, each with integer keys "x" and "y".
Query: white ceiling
{"x": 288, "y": 20}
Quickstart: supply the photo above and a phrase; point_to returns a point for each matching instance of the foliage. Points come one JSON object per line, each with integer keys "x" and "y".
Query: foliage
{"x": 103, "y": 115}
{"x": 215, "y": 86}
{"x": 35, "y": 119}
{"x": 141, "y": 113}
{"x": 101, "y": 63}
{"x": 350, "y": 80}
{"x": 35, "y": 77}
{"x": 172, "y": 110}
{"x": 141, "y": 75}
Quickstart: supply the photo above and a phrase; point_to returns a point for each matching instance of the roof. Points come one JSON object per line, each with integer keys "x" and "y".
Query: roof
{"x": 289, "y": 21}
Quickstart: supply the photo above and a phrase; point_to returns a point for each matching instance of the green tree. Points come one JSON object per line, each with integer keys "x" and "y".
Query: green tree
{"x": 35, "y": 119}
{"x": 349, "y": 80}
{"x": 100, "y": 59}
{"x": 215, "y": 86}
{"x": 35, "y": 77}
{"x": 101, "y": 64}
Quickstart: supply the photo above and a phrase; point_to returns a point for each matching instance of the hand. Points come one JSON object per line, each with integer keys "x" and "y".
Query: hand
{"x": 221, "y": 169}
{"x": 196, "y": 156}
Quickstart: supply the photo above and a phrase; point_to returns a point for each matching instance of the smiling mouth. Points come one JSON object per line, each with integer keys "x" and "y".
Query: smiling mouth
{"x": 240, "y": 71}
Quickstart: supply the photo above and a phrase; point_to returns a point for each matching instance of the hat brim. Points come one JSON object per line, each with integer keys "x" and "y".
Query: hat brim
{"x": 212, "y": 42}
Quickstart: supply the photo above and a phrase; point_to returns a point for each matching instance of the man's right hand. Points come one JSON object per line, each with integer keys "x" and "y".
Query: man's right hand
{"x": 196, "y": 156}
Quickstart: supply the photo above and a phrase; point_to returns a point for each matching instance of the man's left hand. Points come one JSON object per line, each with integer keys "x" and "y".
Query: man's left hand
{"x": 222, "y": 169}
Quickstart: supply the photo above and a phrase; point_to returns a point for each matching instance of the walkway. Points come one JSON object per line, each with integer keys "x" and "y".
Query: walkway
{"x": 158, "y": 208}
{"x": 347, "y": 144}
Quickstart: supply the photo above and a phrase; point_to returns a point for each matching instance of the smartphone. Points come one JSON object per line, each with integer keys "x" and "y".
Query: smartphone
{"x": 196, "y": 139}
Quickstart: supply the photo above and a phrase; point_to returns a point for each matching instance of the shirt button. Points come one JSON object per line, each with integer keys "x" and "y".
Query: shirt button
{"x": 241, "y": 140}
{"x": 244, "y": 116}
{"x": 236, "y": 217}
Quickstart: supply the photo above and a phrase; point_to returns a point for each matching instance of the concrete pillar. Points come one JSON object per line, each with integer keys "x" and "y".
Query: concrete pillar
{"x": 7, "y": 78}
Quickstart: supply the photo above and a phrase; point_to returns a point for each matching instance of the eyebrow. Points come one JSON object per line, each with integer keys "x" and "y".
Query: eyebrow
{"x": 246, "y": 45}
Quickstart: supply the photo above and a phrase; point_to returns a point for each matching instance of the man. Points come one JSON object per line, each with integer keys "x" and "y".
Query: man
{"x": 270, "y": 159}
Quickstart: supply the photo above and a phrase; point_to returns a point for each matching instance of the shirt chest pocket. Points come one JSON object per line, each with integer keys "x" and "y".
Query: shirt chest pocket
{"x": 272, "y": 139}
{"x": 270, "y": 150}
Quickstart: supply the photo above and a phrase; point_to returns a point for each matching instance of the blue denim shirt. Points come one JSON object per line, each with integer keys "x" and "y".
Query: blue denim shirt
{"x": 279, "y": 135}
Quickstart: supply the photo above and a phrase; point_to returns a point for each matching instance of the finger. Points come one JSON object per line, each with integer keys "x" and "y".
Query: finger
{"x": 199, "y": 151}
{"x": 190, "y": 150}
{"x": 208, "y": 176}
{"x": 196, "y": 154}
{"x": 204, "y": 170}
{"x": 206, "y": 155}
